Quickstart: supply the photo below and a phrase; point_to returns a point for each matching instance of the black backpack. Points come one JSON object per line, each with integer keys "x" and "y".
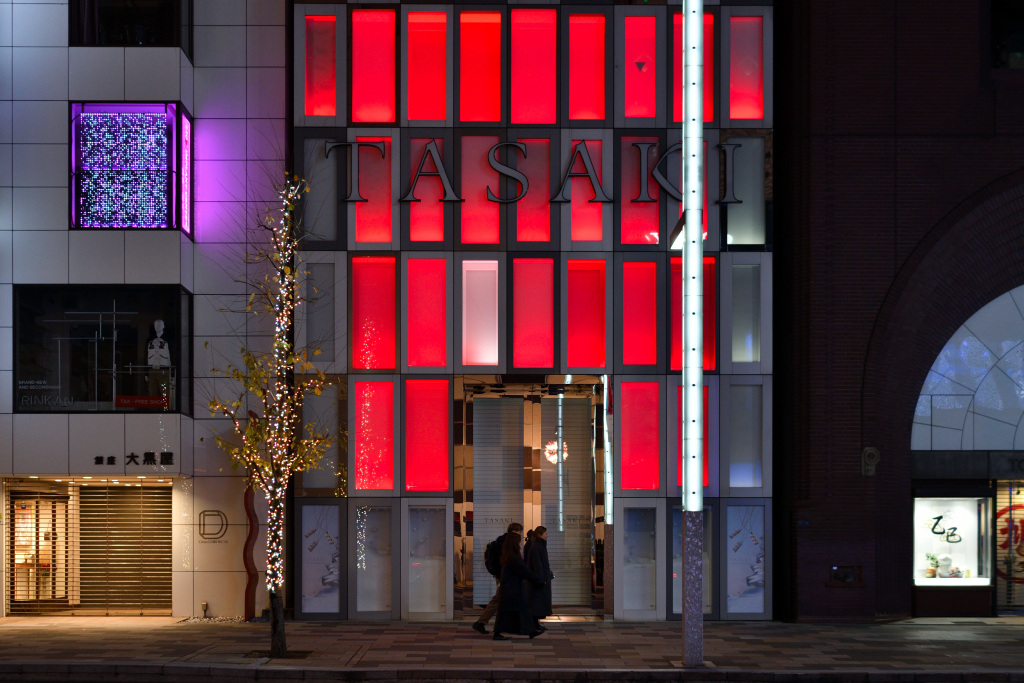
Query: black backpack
{"x": 492, "y": 556}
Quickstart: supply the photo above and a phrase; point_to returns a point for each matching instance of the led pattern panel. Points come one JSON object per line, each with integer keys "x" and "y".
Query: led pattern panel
{"x": 640, "y": 441}
{"x": 586, "y": 67}
{"x": 586, "y": 216}
{"x": 374, "y": 436}
{"x": 480, "y": 313}
{"x": 585, "y": 317}
{"x": 480, "y": 66}
{"x": 533, "y": 212}
{"x": 427, "y": 297}
{"x": 678, "y": 39}
{"x": 534, "y": 64}
{"x": 123, "y": 169}
{"x": 426, "y": 435}
{"x": 746, "y": 68}
{"x": 426, "y": 217}
{"x": 428, "y": 70}
{"x": 373, "y": 217}
{"x": 639, "y": 313}
{"x": 679, "y": 436}
{"x": 373, "y": 312}
{"x": 373, "y": 66}
{"x": 639, "y": 220}
{"x": 708, "y": 315}
{"x": 640, "y": 66}
{"x": 321, "y": 77}
{"x": 480, "y": 217}
{"x": 533, "y": 319}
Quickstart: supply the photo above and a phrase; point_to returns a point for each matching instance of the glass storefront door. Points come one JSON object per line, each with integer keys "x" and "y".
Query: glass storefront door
{"x": 39, "y": 561}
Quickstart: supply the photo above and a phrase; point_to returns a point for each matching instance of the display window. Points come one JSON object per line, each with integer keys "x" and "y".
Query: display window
{"x": 952, "y": 541}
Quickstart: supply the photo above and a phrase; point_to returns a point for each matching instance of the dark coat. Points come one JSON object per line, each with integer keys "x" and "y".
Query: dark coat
{"x": 513, "y": 613}
{"x": 539, "y": 596}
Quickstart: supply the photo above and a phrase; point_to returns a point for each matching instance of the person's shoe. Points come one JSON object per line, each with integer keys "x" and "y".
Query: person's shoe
{"x": 498, "y": 636}
{"x": 542, "y": 628}
{"x": 479, "y": 628}
{"x": 535, "y": 634}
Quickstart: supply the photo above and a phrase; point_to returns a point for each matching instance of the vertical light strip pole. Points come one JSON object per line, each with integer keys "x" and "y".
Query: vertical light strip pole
{"x": 693, "y": 331}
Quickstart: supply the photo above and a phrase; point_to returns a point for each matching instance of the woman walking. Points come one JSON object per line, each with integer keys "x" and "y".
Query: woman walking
{"x": 539, "y": 596}
{"x": 513, "y": 613}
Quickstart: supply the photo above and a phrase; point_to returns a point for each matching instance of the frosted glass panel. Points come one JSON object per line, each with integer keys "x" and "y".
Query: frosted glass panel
{"x": 319, "y": 307}
{"x": 638, "y": 564}
{"x": 745, "y": 435}
{"x": 480, "y": 313}
{"x": 321, "y": 558}
{"x": 320, "y": 217}
{"x": 746, "y": 313}
{"x": 373, "y": 558}
{"x": 746, "y": 218}
{"x": 427, "y": 559}
{"x": 745, "y": 559}
{"x": 322, "y": 412}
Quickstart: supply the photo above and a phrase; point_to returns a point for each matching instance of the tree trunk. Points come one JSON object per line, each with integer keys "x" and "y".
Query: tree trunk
{"x": 278, "y": 646}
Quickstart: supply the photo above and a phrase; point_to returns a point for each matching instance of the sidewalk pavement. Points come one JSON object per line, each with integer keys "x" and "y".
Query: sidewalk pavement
{"x": 170, "y": 650}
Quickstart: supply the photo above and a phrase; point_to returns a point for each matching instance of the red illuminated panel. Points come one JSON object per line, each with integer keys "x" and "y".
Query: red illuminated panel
{"x": 374, "y": 436}
{"x": 587, "y": 218}
{"x": 640, "y": 313}
{"x": 640, "y": 441}
{"x": 480, "y": 313}
{"x": 641, "y": 91}
{"x": 533, "y": 305}
{"x": 533, "y": 67}
{"x": 428, "y": 66}
{"x": 426, "y": 217}
{"x": 321, "y": 81}
{"x": 586, "y": 67}
{"x": 480, "y": 66}
{"x": 708, "y": 314}
{"x": 373, "y": 312}
{"x": 679, "y": 436}
{"x": 533, "y": 212}
{"x": 746, "y": 68}
{"x": 426, "y": 434}
{"x": 585, "y": 326}
{"x": 373, "y": 65}
{"x": 427, "y": 295}
{"x": 480, "y": 218}
{"x": 709, "y": 68}
{"x": 373, "y": 217}
{"x": 639, "y": 222}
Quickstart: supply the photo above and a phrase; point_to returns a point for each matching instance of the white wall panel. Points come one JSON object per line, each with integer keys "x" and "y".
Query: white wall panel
{"x": 217, "y": 315}
{"x": 44, "y": 121}
{"x": 6, "y": 442}
{"x": 6, "y": 120}
{"x": 6, "y": 391}
{"x": 187, "y": 261}
{"x": 96, "y": 73}
{"x": 40, "y": 73}
{"x": 40, "y": 165}
{"x": 187, "y": 83}
{"x": 41, "y": 24}
{"x": 260, "y": 82}
{"x": 6, "y": 164}
{"x": 95, "y": 436}
{"x": 220, "y": 12}
{"x": 265, "y": 46}
{"x": 152, "y": 256}
{"x": 6, "y": 305}
{"x": 218, "y": 268}
{"x": 219, "y": 93}
{"x": 40, "y": 444}
{"x": 96, "y": 256}
{"x": 6, "y": 256}
{"x": 265, "y": 139}
{"x": 263, "y": 12}
{"x": 6, "y": 210}
{"x": 220, "y": 139}
{"x": 40, "y": 208}
{"x": 220, "y": 180}
{"x": 6, "y": 70}
{"x": 219, "y": 46}
{"x": 6, "y": 24}
{"x": 223, "y": 591}
{"x": 41, "y": 256}
{"x": 6, "y": 348}
{"x": 152, "y": 73}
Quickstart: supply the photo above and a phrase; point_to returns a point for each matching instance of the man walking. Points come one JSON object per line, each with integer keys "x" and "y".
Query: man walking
{"x": 494, "y": 547}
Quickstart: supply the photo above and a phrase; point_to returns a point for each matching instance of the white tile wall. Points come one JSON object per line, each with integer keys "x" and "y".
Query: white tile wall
{"x": 265, "y": 12}
{"x": 40, "y": 73}
{"x": 6, "y": 348}
{"x": 264, "y": 46}
{"x": 224, "y": 592}
{"x": 40, "y": 444}
{"x": 219, "y": 93}
{"x": 219, "y": 46}
{"x": 40, "y": 208}
{"x": 220, "y": 12}
{"x": 260, "y": 82}
{"x": 219, "y": 267}
{"x": 6, "y": 120}
{"x": 187, "y": 84}
{"x": 208, "y": 459}
{"x": 6, "y": 256}
{"x": 265, "y": 139}
{"x": 155, "y": 432}
{"x": 182, "y": 597}
{"x": 6, "y": 391}
{"x": 223, "y": 553}
{"x": 41, "y": 25}
{"x": 6, "y": 71}
{"x": 6, "y": 212}
{"x": 218, "y": 221}
{"x": 96, "y": 256}
{"x": 152, "y": 256}
{"x": 6, "y": 164}
{"x": 217, "y": 315}
{"x": 264, "y": 177}
{"x": 93, "y": 436}
{"x": 185, "y": 445}
{"x": 221, "y": 493}
{"x": 220, "y": 180}
{"x": 42, "y": 121}
{"x": 220, "y": 139}
{"x": 41, "y": 165}
{"x": 6, "y": 24}
{"x": 6, "y": 311}
{"x": 152, "y": 73}
{"x": 6, "y": 442}
{"x": 96, "y": 73}
{"x": 187, "y": 264}
{"x": 40, "y": 256}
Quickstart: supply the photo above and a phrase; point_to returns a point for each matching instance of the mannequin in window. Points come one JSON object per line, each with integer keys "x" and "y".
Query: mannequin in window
{"x": 158, "y": 357}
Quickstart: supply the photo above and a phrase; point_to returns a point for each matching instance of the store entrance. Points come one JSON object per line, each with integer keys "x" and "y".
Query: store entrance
{"x": 38, "y": 563}
{"x": 1009, "y": 559}
{"x": 514, "y": 473}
